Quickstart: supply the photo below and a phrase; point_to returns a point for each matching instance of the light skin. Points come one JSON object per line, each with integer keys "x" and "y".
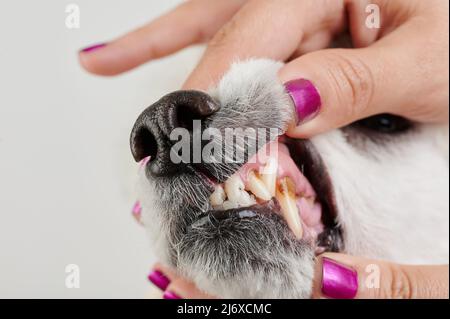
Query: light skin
{"x": 395, "y": 281}
{"x": 400, "y": 68}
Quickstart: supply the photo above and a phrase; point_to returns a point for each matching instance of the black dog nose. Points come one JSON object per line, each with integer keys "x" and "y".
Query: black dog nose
{"x": 150, "y": 134}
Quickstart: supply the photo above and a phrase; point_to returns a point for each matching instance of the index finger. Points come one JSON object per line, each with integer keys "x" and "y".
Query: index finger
{"x": 190, "y": 23}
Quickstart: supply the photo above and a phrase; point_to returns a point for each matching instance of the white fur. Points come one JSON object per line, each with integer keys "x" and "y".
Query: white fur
{"x": 392, "y": 201}
{"x": 394, "y": 207}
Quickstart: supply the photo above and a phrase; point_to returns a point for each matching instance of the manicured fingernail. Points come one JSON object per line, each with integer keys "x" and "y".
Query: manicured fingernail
{"x": 338, "y": 281}
{"x": 136, "y": 211}
{"x": 306, "y": 99}
{"x": 159, "y": 279}
{"x": 170, "y": 295}
{"x": 93, "y": 47}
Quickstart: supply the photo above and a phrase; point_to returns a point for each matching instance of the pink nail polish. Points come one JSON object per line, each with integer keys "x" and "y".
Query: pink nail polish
{"x": 170, "y": 295}
{"x": 338, "y": 282}
{"x": 159, "y": 279}
{"x": 136, "y": 211}
{"x": 93, "y": 47}
{"x": 306, "y": 99}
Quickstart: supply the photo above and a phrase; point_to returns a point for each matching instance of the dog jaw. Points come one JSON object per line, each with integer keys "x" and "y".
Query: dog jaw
{"x": 392, "y": 200}
{"x": 267, "y": 258}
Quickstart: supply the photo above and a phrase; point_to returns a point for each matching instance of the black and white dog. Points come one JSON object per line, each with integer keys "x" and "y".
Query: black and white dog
{"x": 376, "y": 188}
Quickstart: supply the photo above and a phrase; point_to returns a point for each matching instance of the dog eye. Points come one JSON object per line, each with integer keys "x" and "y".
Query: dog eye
{"x": 385, "y": 124}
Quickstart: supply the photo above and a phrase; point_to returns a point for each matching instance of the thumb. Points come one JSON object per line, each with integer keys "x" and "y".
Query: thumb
{"x": 351, "y": 84}
{"x": 342, "y": 86}
{"x": 342, "y": 276}
{"x": 341, "y": 83}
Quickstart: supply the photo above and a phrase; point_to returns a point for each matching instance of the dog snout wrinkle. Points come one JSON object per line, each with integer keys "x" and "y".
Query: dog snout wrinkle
{"x": 151, "y": 132}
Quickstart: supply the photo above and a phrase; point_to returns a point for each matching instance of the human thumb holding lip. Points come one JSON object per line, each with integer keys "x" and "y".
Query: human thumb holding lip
{"x": 401, "y": 68}
{"x": 335, "y": 87}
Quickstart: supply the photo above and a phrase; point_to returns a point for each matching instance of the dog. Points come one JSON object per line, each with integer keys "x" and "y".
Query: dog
{"x": 376, "y": 188}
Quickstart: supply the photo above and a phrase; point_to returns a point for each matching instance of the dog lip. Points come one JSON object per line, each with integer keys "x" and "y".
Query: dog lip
{"x": 306, "y": 157}
{"x": 264, "y": 208}
{"x": 309, "y": 161}
{"x": 217, "y": 216}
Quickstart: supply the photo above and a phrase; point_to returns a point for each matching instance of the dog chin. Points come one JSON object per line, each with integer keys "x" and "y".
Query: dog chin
{"x": 291, "y": 278}
{"x": 263, "y": 256}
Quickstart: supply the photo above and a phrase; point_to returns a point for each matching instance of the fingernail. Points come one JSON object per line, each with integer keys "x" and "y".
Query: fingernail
{"x": 93, "y": 47}
{"x": 306, "y": 99}
{"x": 159, "y": 279}
{"x": 170, "y": 295}
{"x": 136, "y": 211}
{"x": 338, "y": 282}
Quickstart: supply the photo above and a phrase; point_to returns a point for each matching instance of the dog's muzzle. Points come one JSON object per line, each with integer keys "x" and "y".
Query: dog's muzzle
{"x": 150, "y": 136}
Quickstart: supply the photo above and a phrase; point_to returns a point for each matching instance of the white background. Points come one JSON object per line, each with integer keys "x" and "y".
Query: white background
{"x": 66, "y": 172}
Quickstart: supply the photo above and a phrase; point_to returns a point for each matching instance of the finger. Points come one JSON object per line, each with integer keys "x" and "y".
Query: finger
{"x": 345, "y": 85}
{"x": 342, "y": 276}
{"x": 173, "y": 285}
{"x": 358, "y": 11}
{"x": 267, "y": 29}
{"x": 161, "y": 276}
{"x": 191, "y": 22}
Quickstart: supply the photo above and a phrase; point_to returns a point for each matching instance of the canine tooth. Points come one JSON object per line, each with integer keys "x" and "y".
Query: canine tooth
{"x": 286, "y": 198}
{"x": 257, "y": 187}
{"x": 269, "y": 175}
{"x": 218, "y": 196}
{"x": 234, "y": 187}
{"x": 229, "y": 205}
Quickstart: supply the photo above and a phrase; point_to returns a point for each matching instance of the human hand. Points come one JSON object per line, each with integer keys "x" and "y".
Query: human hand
{"x": 342, "y": 276}
{"x": 399, "y": 68}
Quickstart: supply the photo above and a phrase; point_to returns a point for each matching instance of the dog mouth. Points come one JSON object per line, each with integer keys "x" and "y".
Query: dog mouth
{"x": 286, "y": 178}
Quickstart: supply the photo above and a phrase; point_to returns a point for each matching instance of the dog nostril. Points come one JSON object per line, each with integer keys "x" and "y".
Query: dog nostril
{"x": 190, "y": 106}
{"x": 143, "y": 144}
{"x": 185, "y": 118}
{"x": 151, "y": 132}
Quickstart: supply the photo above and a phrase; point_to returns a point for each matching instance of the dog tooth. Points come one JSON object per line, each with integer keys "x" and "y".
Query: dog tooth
{"x": 246, "y": 199}
{"x": 269, "y": 175}
{"x": 286, "y": 198}
{"x": 257, "y": 187}
{"x": 234, "y": 187}
{"x": 229, "y": 205}
{"x": 218, "y": 196}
